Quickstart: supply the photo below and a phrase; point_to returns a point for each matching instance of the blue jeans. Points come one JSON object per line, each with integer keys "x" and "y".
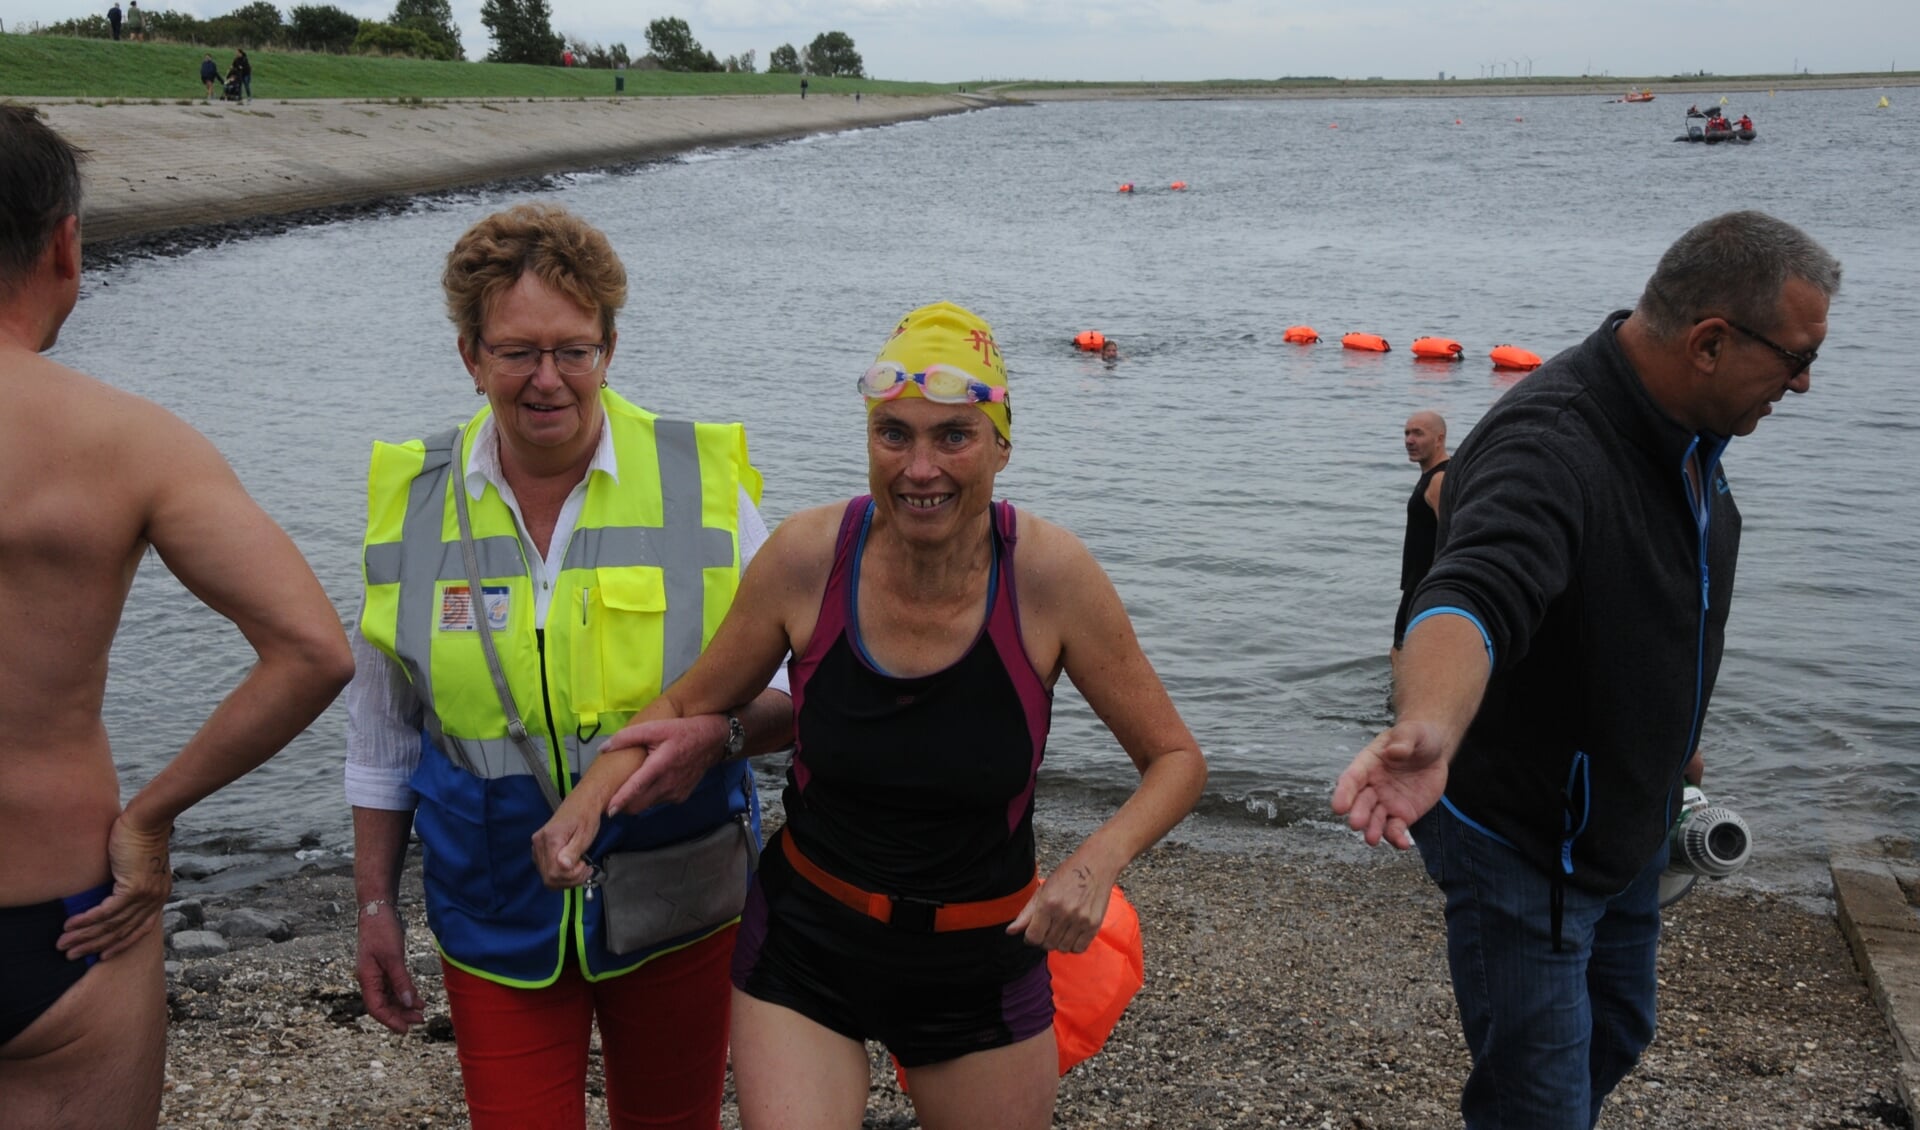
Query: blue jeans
{"x": 1550, "y": 1033}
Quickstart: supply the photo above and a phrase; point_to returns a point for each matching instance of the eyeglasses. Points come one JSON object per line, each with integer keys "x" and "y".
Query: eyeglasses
{"x": 1801, "y": 362}
{"x": 942, "y": 384}
{"x": 524, "y": 360}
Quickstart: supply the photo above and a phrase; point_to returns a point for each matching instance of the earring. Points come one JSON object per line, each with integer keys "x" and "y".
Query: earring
{"x": 603, "y": 382}
{"x": 478, "y": 391}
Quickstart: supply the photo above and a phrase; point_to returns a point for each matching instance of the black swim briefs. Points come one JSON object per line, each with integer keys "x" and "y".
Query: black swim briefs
{"x": 33, "y": 973}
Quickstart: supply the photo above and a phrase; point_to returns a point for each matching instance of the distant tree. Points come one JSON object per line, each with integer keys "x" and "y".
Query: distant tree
{"x": 832, "y": 53}
{"x": 522, "y": 32}
{"x": 617, "y": 55}
{"x": 376, "y": 38}
{"x": 435, "y": 19}
{"x": 783, "y": 60}
{"x": 741, "y": 64}
{"x": 673, "y": 44}
{"x": 252, "y": 25}
{"x": 178, "y": 27}
{"x": 321, "y": 27}
{"x": 85, "y": 27}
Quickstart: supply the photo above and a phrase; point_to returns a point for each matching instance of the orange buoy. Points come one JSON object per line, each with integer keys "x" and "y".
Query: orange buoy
{"x": 1127, "y": 187}
{"x": 1091, "y": 989}
{"x": 1514, "y": 357}
{"x": 1371, "y": 343}
{"x": 1437, "y": 349}
{"x": 1300, "y": 335}
{"x": 1178, "y": 186}
{"x": 1089, "y": 341}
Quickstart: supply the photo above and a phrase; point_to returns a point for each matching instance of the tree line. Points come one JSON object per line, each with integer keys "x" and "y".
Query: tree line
{"x": 522, "y": 32}
{"x": 423, "y": 29}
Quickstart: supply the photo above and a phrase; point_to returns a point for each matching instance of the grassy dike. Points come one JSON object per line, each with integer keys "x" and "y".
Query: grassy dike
{"x": 46, "y": 66}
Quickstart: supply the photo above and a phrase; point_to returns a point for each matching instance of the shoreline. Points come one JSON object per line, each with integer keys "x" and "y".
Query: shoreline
{"x": 1286, "y": 987}
{"x": 157, "y": 169}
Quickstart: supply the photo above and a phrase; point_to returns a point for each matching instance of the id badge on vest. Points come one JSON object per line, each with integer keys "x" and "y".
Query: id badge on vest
{"x": 456, "y": 607}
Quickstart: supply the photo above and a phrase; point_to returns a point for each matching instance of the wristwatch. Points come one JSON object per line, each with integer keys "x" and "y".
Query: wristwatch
{"x": 736, "y": 735}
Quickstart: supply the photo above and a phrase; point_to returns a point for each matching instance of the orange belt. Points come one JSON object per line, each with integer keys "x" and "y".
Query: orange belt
{"x": 919, "y": 915}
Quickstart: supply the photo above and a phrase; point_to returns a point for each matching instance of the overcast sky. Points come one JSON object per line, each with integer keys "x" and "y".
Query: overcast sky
{"x": 952, "y": 41}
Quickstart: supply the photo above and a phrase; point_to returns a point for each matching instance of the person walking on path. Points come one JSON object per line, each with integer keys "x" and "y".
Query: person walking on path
{"x": 1425, "y": 436}
{"x": 209, "y": 74}
{"x": 136, "y": 22}
{"x": 93, "y": 478}
{"x": 242, "y": 68}
{"x": 1562, "y": 653}
{"x": 113, "y": 20}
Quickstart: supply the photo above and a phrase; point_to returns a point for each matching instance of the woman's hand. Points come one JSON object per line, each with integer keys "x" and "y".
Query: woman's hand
{"x": 1066, "y": 912}
{"x": 560, "y": 845}
{"x": 677, "y": 754}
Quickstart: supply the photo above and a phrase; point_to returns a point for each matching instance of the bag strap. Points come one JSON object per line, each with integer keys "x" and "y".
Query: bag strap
{"x": 516, "y": 729}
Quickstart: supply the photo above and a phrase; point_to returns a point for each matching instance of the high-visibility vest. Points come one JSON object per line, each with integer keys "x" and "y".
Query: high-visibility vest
{"x": 647, "y": 575}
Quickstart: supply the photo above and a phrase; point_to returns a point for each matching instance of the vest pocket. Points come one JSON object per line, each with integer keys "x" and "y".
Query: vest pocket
{"x": 617, "y": 656}
{"x": 457, "y": 863}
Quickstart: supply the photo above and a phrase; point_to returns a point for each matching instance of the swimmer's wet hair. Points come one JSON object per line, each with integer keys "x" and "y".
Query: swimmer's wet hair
{"x": 39, "y": 187}
{"x": 548, "y": 242}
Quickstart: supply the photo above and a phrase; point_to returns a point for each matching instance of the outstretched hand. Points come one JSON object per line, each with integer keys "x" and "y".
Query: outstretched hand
{"x": 678, "y": 753}
{"x": 1393, "y": 782}
{"x": 142, "y": 879}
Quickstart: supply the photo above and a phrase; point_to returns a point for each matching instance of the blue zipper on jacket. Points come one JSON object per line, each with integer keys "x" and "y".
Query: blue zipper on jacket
{"x": 1702, "y": 510}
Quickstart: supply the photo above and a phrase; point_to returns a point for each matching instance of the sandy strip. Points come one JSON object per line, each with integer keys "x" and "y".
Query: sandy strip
{"x": 157, "y": 168}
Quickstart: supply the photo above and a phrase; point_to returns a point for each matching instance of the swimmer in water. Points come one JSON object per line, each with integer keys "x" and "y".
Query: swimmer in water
{"x": 1109, "y": 350}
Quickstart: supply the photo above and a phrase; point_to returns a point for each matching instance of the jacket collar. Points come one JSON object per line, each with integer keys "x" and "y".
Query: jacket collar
{"x": 1623, "y": 396}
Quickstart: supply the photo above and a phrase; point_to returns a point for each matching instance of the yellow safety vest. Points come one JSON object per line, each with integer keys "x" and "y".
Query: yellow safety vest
{"x": 647, "y": 576}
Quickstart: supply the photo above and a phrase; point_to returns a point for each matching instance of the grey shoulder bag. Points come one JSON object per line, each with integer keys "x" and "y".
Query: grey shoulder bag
{"x": 649, "y": 897}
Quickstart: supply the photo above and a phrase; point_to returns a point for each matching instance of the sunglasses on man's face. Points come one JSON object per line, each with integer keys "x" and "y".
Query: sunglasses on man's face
{"x": 1800, "y": 362}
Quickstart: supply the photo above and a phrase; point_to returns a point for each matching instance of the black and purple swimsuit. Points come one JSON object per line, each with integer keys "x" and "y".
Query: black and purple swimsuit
{"x": 920, "y": 788}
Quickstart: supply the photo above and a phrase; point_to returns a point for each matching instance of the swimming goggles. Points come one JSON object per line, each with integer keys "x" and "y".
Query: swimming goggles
{"x": 942, "y": 384}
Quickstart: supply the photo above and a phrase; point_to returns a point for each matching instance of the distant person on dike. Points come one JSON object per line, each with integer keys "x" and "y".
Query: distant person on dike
{"x": 242, "y": 69}
{"x": 92, "y": 479}
{"x": 113, "y": 20}
{"x": 608, "y": 543}
{"x": 136, "y": 22}
{"x": 928, "y": 625}
{"x": 209, "y": 74}
{"x": 1425, "y": 436}
{"x": 1562, "y": 653}
{"x": 803, "y": 87}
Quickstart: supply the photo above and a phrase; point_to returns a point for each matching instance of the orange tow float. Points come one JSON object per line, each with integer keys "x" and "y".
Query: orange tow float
{"x": 1178, "y": 186}
{"x": 1091, "y": 989}
{"x": 1369, "y": 343}
{"x": 1514, "y": 357}
{"x": 1300, "y": 335}
{"x": 1089, "y": 341}
{"x": 1438, "y": 349}
{"x": 1127, "y": 187}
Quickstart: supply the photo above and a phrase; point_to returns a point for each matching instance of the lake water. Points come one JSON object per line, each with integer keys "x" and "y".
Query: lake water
{"x": 1246, "y": 496}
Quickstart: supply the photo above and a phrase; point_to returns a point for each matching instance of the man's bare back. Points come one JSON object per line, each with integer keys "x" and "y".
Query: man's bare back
{"x": 89, "y": 478}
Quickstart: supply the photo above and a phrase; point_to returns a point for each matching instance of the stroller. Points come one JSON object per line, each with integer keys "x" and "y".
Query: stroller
{"x": 232, "y": 88}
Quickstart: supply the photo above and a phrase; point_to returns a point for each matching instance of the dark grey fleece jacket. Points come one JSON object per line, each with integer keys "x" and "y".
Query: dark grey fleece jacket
{"x": 1569, "y": 531}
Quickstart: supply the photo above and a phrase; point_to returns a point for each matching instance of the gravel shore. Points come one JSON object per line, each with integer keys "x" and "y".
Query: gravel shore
{"x": 1299, "y": 985}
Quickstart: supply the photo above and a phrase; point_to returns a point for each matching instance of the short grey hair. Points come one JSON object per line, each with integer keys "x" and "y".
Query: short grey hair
{"x": 1732, "y": 266}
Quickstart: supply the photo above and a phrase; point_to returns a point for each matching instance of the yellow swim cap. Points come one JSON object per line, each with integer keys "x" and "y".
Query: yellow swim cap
{"x": 946, "y": 334}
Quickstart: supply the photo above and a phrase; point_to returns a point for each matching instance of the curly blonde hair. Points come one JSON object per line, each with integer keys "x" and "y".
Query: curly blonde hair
{"x": 554, "y": 245}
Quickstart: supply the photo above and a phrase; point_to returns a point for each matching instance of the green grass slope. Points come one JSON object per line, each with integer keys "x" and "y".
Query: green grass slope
{"x": 45, "y": 66}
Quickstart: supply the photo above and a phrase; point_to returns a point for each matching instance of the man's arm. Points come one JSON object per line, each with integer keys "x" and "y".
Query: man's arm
{"x": 1432, "y": 494}
{"x": 1402, "y": 772}
{"x": 227, "y": 552}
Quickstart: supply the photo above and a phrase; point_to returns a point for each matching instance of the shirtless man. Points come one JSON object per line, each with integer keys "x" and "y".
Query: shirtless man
{"x": 1426, "y": 440}
{"x": 89, "y": 478}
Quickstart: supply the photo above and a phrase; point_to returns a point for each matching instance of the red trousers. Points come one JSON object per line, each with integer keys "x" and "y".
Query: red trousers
{"x": 663, "y": 1042}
